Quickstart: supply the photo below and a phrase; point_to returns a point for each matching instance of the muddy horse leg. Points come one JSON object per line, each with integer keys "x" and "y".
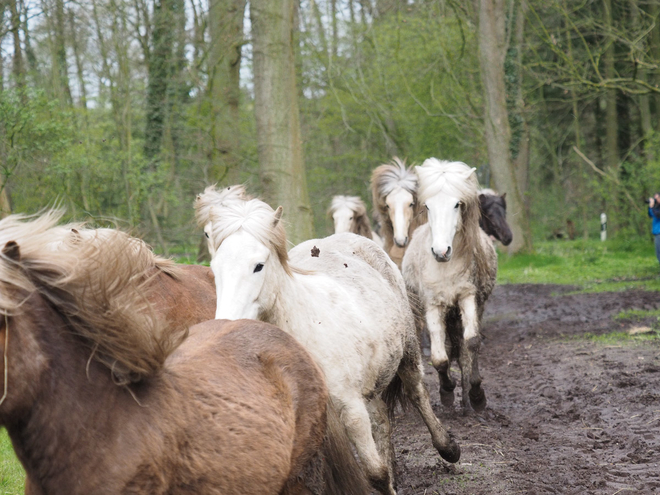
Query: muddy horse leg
{"x": 469, "y": 357}
{"x": 355, "y": 417}
{"x": 411, "y": 373}
{"x": 382, "y": 433}
{"x": 435, "y": 321}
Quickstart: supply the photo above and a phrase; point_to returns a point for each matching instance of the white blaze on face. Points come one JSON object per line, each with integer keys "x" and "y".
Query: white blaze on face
{"x": 400, "y": 205}
{"x": 444, "y": 212}
{"x": 240, "y": 266}
{"x": 343, "y": 219}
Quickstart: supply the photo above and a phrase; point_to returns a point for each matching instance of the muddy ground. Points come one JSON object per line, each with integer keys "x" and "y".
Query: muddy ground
{"x": 565, "y": 414}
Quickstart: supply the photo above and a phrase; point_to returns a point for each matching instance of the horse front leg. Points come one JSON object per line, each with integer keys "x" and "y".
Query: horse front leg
{"x": 435, "y": 322}
{"x": 469, "y": 356}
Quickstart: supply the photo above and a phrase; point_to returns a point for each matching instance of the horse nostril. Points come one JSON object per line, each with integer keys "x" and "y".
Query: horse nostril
{"x": 448, "y": 251}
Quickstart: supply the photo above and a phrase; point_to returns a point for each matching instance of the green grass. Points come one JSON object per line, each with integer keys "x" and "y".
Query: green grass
{"x": 592, "y": 266}
{"x": 12, "y": 476}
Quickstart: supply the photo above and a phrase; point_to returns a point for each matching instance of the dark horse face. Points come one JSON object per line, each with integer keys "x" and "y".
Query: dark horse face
{"x": 493, "y": 217}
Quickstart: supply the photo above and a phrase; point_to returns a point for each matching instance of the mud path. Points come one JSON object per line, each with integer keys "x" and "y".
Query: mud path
{"x": 565, "y": 415}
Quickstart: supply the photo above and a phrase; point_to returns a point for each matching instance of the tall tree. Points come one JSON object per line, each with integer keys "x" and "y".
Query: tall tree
{"x": 226, "y": 28}
{"x": 492, "y": 54}
{"x": 611, "y": 122}
{"x": 282, "y": 169}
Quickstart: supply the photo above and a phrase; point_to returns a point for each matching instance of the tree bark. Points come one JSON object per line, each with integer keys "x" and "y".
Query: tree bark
{"x": 279, "y": 142}
{"x": 18, "y": 67}
{"x": 226, "y": 29}
{"x": 492, "y": 53}
{"x": 59, "y": 60}
{"x": 611, "y": 122}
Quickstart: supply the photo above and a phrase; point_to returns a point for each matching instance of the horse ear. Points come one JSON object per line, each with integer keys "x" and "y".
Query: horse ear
{"x": 278, "y": 216}
{"x": 503, "y": 196}
{"x": 12, "y": 251}
{"x": 472, "y": 170}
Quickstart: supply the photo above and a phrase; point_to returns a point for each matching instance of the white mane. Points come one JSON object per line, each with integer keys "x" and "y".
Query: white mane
{"x": 393, "y": 175}
{"x": 454, "y": 178}
{"x": 353, "y": 203}
{"x": 212, "y": 196}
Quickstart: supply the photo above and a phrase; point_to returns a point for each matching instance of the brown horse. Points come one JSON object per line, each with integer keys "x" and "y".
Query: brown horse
{"x": 103, "y": 395}
{"x": 493, "y": 216}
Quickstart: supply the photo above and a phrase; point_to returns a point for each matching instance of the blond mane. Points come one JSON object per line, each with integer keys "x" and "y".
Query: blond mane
{"x": 385, "y": 179}
{"x": 360, "y": 224}
{"x": 212, "y": 196}
{"x": 254, "y": 217}
{"x": 99, "y": 281}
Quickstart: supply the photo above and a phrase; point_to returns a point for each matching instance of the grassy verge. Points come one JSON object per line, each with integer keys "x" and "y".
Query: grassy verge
{"x": 591, "y": 266}
{"x": 12, "y": 476}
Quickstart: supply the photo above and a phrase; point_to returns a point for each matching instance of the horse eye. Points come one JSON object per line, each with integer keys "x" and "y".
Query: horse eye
{"x": 457, "y": 205}
{"x": 387, "y": 207}
{"x": 412, "y": 204}
{"x": 427, "y": 206}
{"x": 258, "y": 268}
{"x": 351, "y": 218}
{"x": 206, "y": 234}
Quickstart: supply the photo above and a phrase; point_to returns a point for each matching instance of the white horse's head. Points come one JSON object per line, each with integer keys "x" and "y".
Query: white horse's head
{"x": 250, "y": 253}
{"x": 394, "y": 189}
{"x": 349, "y": 214}
{"x": 449, "y": 190}
{"x": 214, "y": 197}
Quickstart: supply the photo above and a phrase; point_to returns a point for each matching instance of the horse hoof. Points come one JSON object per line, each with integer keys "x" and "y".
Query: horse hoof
{"x": 477, "y": 399}
{"x": 451, "y": 453}
{"x": 447, "y": 397}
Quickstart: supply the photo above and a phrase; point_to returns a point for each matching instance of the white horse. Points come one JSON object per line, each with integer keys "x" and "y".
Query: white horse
{"x": 345, "y": 301}
{"x": 451, "y": 267}
{"x": 214, "y": 197}
{"x": 394, "y": 194}
{"x": 349, "y": 214}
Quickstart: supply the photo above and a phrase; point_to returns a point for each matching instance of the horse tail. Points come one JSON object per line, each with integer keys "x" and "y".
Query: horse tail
{"x": 342, "y": 475}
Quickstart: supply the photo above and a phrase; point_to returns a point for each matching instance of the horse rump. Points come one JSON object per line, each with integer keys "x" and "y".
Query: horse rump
{"x": 334, "y": 470}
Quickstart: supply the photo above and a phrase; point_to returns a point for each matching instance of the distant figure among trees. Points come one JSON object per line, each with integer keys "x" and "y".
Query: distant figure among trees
{"x": 654, "y": 213}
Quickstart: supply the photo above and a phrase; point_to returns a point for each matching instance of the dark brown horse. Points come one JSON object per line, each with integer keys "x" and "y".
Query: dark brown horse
{"x": 101, "y": 394}
{"x": 493, "y": 216}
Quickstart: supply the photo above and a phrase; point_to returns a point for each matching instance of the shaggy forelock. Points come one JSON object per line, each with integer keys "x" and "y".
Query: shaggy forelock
{"x": 98, "y": 281}
{"x": 212, "y": 196}
{"x": 389, "y": 176}
{"x": 441, "y": 176}
{"x": 254, "y": 217}
{"x": 353, "y": 203}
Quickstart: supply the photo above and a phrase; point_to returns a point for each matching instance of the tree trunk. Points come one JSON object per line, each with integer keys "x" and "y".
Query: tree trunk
{"x": 277, "y": 116}
{"x": 60, "y": 61}
{"x": 18, "y": 67}
{"x": 611, "y": 122}
{"x": 492, "y": 53}
{"x": 79, "y": 64}
{"x": 226, "y": 28}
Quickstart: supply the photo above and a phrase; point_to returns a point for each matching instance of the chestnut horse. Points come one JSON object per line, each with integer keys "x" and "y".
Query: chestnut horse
{"x": 102, "y": 395}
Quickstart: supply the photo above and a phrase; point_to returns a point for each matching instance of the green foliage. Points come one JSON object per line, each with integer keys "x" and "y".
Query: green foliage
{"x": 589, "y": 265}
{"x": 12, "y": 475}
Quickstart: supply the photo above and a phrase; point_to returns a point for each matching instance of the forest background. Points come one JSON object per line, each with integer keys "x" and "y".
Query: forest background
{"x": 123, "y": 110}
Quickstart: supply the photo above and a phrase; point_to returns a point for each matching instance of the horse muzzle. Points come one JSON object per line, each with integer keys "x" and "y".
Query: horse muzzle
{"x": 401, "y": 244}
{"x": 442, "y": 258}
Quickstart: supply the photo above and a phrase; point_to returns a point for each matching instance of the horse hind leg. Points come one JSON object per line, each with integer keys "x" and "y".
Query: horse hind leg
{"x": 411, "y": 373}
{"x": 381, "y": 430}
{"x": 355, "y": 417}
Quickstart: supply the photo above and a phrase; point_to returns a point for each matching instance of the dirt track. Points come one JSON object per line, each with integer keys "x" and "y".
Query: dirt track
{"x": 564, "y": 415}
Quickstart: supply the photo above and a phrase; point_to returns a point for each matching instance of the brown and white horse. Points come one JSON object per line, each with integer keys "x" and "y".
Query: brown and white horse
{"x": 394, "y": 194}
{"x": 102, "y": 394}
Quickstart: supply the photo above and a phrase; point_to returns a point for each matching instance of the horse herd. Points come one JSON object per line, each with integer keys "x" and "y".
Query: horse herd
{"x": 118, "y": 379}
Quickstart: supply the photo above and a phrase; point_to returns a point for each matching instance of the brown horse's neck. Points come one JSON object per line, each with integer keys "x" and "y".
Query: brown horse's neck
{"x": 69, "y": 408}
